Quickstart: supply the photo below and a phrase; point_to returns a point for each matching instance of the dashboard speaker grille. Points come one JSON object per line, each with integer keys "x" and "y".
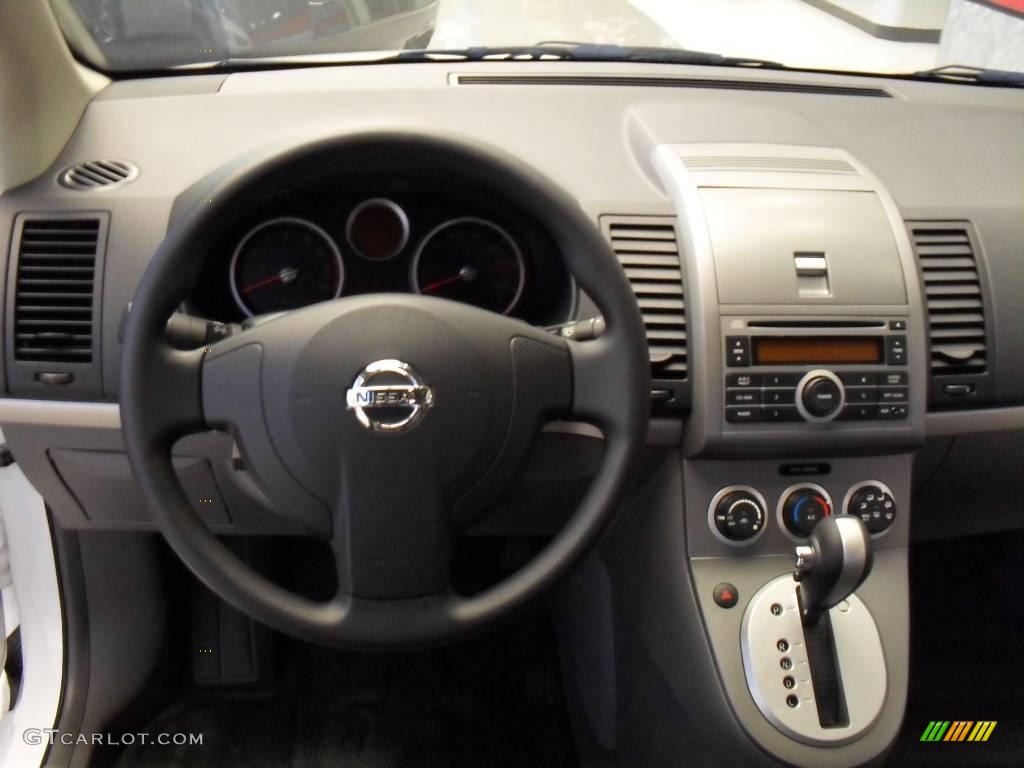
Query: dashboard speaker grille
{"x": 54, "y": 289}
{"x": 648, "y": 250}
{"x": 954, "y": 296}
{"x": 97, "y": 174}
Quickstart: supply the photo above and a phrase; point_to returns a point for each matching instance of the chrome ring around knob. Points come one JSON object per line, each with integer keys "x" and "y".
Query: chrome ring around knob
{"x": 801, "y": 387}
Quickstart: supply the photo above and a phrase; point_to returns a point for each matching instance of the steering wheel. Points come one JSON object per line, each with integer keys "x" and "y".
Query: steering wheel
{"x": 384, "y": 422}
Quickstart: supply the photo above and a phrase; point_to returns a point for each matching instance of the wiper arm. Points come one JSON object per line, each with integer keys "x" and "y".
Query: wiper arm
{"x": 544, "y": 51}
{"x": 957, "y": 73}
{"x": 655, "y": 55}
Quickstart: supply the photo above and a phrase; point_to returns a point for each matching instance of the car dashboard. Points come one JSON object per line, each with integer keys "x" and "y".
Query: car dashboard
{"x": 828, "y": 268}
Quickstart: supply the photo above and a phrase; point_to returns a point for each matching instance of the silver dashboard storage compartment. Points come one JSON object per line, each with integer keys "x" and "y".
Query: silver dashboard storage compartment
{"x": 103, "y": 484}
{"x": 763, "y": 240}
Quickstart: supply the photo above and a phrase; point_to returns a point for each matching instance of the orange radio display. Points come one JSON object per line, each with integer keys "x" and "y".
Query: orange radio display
{"x": 815, "y": 350}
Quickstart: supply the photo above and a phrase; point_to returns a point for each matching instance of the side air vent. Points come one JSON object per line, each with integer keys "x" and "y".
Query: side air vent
{"x": 714, "y": 83}
{"x": 97, "y": 174}
{"x": 52, "y": 332}
{"x": 955, "y": 298}
{"x": 649, "y": 253}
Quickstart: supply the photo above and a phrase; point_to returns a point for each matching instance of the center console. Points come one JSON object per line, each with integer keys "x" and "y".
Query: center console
{"x": 806, "y": 318}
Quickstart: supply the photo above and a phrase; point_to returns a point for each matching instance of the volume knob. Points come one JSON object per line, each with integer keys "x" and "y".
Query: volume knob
{"x": 820, "y": 396}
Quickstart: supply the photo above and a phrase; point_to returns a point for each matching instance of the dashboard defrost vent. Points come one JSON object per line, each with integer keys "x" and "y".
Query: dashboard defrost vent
{"x": 648, "y": 250}
{"x": 751, "y": 164}
{"x": 97, "y": 174}
{"x": 714, "y": 83}
{"x": 955, "y": 299}
{"x": 53, "y": 299}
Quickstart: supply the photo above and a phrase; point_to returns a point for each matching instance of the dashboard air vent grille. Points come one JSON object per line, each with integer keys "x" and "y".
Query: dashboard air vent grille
{"x": 954, "y": 297}
{"x": 53, "y": 294}
{"x": 97, "y": 174}
{"x": 649, "y": 253}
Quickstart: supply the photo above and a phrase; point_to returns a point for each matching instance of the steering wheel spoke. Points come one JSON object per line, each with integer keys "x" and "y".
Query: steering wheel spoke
{"x": 596, "y": 397}
{"x": 173, "y": 378}
{"x": 392, "y": 535}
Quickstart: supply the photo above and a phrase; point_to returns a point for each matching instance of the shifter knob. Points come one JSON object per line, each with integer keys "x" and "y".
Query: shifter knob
{"x": 834, "y": 562}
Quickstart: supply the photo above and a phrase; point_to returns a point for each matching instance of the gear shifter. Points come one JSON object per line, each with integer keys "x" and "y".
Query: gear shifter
{"x": 833, "y": 563}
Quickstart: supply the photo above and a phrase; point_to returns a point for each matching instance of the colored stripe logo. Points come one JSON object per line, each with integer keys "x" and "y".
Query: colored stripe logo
{"x": 958, "y": 730}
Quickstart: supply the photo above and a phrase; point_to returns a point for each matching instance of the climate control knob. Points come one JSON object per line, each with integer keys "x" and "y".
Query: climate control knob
{"x": 803, "y": 507}
{"x": 737, "y": 514}
{"x": 874, "y": 504}
{"x": 820, "y": 396}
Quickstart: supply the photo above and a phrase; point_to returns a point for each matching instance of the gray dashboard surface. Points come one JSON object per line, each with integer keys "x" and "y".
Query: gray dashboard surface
{"x": 944, "y": 151}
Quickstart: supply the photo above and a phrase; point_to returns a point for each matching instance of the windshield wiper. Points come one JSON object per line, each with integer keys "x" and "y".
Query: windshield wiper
{"x": 544, "y": 51}
{"x": 957, "y": 73}
{"x": 565, "y": 50}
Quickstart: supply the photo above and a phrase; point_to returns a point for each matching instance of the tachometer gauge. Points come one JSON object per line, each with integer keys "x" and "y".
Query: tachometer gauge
{"x": 285, "y": 264}
{"x": 473, "y": 261}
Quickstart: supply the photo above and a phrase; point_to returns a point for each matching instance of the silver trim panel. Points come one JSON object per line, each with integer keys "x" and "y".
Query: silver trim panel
{"x": 859, "y": 656}
{"x": 60, "y": 413}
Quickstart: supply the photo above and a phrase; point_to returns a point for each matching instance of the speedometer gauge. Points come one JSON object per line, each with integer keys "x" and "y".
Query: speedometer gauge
{"x": 473, "y": 261}
{"x": 285, "y": 264}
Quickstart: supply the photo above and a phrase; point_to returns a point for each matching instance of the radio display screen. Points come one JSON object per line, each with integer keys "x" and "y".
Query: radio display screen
{"x": 814, "y": 350}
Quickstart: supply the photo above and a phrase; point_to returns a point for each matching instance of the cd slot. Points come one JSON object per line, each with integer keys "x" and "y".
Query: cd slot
{"x": 804, "y": 324}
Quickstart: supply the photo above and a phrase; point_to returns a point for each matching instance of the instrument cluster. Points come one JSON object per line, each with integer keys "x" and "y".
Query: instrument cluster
{"x": 317, "y": 245}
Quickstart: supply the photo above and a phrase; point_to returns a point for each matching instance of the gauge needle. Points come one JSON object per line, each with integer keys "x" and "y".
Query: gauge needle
{"x": 466, "y": 274}
{"x": 285, "y": 276}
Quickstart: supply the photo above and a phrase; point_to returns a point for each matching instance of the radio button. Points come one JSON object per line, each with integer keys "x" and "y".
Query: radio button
{"x": 893, "y": 394}
{"x": 896, "y": 350}
{"x": 780, "y": 396}
{"x": 822, "y": 397}
{"x": 743, "y": 397}
{"x": 893, "y": 412}
{"x": 737, "y": 351}
{"x": 738, "y": 414}
{"x": 781, "y": 379}
{"x": 859, "y": 412}
{"x": 781, "y": 413}
{"x": 858, "y": 379}
{"x": 861, "y": 394}
{"x": 893, "y": 379}
{"x": 743, "y": 380}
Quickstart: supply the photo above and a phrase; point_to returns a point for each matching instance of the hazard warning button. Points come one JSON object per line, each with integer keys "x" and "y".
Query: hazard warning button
{"x": 725, "y": 595}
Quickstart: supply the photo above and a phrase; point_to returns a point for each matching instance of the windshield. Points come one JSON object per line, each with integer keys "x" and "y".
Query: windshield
{"x": 900, "y": 36}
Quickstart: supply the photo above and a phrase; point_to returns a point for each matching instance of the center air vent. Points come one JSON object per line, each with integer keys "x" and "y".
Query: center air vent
{"x": 649, "y": 253}
{"x": 955, "y": 299}
{"x": 52, "y": 334}
{"x": 97, "y": 174}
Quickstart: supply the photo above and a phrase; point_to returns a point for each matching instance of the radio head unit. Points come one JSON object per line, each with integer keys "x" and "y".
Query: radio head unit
{"x": 816, "y": 372}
